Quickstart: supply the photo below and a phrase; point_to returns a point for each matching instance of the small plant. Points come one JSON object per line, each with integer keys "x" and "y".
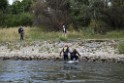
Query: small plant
{"x": 121, "y": 48}
{"x": 62, "y": 38}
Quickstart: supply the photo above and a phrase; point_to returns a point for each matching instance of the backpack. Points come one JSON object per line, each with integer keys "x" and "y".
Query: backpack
{"x": 20, "y": 30}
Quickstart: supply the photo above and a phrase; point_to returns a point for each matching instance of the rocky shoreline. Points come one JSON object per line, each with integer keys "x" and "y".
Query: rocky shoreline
{"x": 90, "y": 50}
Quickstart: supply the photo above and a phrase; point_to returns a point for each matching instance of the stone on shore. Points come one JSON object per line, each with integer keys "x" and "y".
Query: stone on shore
{"x": 90, "y": 50}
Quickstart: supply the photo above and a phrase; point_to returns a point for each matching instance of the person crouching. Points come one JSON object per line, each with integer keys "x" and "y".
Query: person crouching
{"x": 74, "y": 55}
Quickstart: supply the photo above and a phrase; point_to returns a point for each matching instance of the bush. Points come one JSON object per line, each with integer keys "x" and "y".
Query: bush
{"x": 121, "y": 48}
{"x": 98, "y": 26}
{"x": 62, "y": 38}
{"x": 2, "y": 18}
{"x": 24, "y": 19}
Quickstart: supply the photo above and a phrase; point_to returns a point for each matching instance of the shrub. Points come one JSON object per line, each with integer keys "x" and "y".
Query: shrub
{"x": 98, "y": 26}
{"x": 24, "y": 19}
{"x": 62, "y": 38}
{"x": 121, "y": 48}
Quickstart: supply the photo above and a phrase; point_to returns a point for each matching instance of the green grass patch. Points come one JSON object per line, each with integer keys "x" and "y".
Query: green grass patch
{"x": 34, "y": 33}
{"x": 121, "y": 48}
{"x": 115, "y": 34}
{"x": 38, "y": 34}
{"x": 62, "y": 38}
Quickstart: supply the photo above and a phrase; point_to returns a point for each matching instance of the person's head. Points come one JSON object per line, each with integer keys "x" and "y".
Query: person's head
{"x": 20, "y": 26}
{"x": 66, "y": 46}
{"x": 74, "y": 50}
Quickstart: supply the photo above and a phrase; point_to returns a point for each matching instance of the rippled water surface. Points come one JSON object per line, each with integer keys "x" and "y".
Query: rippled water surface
{"x": 48, "y": 71}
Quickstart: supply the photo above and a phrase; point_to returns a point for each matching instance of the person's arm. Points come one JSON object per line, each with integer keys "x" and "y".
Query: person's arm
{"x": 61, "y": 52}
{"x": 78, "y": 53}
{"x": 19, "y": 30}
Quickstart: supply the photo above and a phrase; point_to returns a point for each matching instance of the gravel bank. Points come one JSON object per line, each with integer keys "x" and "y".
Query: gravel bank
{"x": 90, "y": 50}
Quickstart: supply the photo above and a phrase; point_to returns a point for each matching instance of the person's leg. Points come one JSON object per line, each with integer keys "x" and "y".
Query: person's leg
{"x": 65, "y": 57}
{"x": 76, "y": 57}
{"x": 72, "y": 56}
{"x": 22, "y": 36}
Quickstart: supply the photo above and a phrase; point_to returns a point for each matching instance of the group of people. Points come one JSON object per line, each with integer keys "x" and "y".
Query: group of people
{"x": 74, "y": 54}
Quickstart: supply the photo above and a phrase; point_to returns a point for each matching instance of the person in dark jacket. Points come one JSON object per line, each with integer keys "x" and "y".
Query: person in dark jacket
{"x": 74, "y": 55}
{"x": 21, "y": 32}
{"x": 65, "y": 52}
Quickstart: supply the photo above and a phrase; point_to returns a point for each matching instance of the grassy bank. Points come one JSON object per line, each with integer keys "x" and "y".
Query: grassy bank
{"x": 121, "y": 47}
{"x": 11, "y": 34}
{"x": 31, "y": 34}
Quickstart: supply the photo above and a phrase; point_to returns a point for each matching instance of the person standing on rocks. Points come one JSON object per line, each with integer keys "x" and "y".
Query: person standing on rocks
{"x": 74, "y": 55}
{"x": 65, "y": 52}
{"x": 21, "y": 32}
{"x": 64, "y": 30}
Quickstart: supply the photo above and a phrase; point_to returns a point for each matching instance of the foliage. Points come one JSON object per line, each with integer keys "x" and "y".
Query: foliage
{"x": 79, "y": 13}
{"x": 118, "y": 14}
{"x": 2, "y": 18}
{"x": 24, "y": 19}
{"x": 3, "y": 5}
{"x": 16, "y": 14}
{"x": 51, "y": 13}
{"x": 98, "y": 13}
{"x": 19, "y": 7}
{"x": 34, "y": 33}
{"x": 121, "y": 48}
{"x": 98, "y": 26}
{"x": 62, "y": 38}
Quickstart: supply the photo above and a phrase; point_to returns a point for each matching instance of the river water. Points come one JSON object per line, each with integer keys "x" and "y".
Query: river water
{"x": 49, "y": 71}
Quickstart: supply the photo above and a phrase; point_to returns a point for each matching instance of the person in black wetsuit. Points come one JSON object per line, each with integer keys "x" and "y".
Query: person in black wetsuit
{"x": 74, "y": 55}
{"x": 65, "y": 52}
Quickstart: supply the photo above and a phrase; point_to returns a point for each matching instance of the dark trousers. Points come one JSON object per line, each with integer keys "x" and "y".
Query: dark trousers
{"x": 66, "y": 57}
{"x": 74, "y": 57}
{"x": 21, "y": 36}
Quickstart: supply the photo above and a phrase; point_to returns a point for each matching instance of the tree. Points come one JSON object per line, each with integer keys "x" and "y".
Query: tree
{"x": 79, "y": 13}
{"x": 21, "y": 10}
{"x": 3, "y": 5}
{"x": 51, "y": 13}
{"x": 117, "y": 14}
{"x": 114, "y": 14}
{"x": 16, "y": 7}
{"x": 26, "y": 5}
{"x": 23, "y": 6}
{"x": 97, "y": 14}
